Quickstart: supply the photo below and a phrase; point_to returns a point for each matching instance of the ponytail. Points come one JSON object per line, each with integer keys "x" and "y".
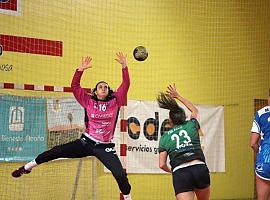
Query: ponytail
{"x": 177, "y": 114}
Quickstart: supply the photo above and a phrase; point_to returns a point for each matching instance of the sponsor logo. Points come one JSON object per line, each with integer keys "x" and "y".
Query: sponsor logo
{"x": 16, "y": 118}
{"x": 188, "y": 154}
{"x": 6, "y": 67}
{"x": 101, "y": 116}
{"x": 99, "y": 131}
{"x": 110, "y": 149}
{"x": 151, "y": 127}
{"x": 259, "y": 167}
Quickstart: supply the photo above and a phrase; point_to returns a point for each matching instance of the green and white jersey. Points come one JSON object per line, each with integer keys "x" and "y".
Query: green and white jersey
{"x": 182, "y": 143}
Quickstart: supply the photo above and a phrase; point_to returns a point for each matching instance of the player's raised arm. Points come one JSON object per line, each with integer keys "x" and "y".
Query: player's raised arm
{"x": 172, "y": 90}
{"x": 85, "y": 63}
{"x": 79, "y": 93}
{"x": 122, "y": 90}
{"x": 122, "y": 59}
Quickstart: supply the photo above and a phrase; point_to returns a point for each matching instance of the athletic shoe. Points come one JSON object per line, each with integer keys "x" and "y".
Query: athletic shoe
{"x": 18, "y": 172}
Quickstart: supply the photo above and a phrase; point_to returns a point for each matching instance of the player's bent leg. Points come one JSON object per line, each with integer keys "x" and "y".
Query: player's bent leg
{"x": 122, "y": 180}
{"x": 107, "y": 155}
{"x": 75, "y": 149}
{"x": 185, "y": 195}
{"x": 263, "y": 188}
{"x": 203, "y": 194}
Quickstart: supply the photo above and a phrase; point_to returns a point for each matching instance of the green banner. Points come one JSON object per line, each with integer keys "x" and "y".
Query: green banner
{"x": 22, "y": 128}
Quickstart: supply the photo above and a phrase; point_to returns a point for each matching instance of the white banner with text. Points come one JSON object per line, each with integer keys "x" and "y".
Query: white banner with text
{"x": 146, "y": 122}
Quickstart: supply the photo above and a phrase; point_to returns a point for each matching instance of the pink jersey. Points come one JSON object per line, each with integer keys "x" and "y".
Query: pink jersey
{"x": 102, "y": 115}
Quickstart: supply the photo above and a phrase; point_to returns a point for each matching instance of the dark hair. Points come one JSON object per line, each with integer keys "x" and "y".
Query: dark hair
{"x": 110, "y": 92}
{"x": 176, "y": 114}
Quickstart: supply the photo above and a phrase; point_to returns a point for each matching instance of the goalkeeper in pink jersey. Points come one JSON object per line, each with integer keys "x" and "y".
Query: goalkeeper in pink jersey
{"x": 102, "y": 108}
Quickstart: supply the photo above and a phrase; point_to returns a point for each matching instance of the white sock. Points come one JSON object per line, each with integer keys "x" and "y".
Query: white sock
{"x": 30, "y": 165}
{"x": 127, "y": 197}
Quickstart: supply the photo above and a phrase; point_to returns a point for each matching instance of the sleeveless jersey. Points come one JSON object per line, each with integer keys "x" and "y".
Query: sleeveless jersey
{"x": 182, "y": 143}
{"x": 261, "y": 125}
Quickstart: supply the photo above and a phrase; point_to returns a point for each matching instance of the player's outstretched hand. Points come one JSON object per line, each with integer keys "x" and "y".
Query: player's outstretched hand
{"x": 122, "y": 59}
{"x": 85, "y": 63}
{"x": 172, "y": 91}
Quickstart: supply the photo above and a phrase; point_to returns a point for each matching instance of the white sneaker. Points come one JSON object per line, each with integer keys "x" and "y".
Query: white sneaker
{"x": 127, "y": 197}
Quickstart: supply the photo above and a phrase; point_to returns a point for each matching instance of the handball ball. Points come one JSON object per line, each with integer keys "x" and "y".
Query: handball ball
{"x": 140, "y": 53}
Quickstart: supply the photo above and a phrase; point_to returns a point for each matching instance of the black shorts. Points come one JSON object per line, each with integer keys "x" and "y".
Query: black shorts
{"x": 191, "y": 178}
